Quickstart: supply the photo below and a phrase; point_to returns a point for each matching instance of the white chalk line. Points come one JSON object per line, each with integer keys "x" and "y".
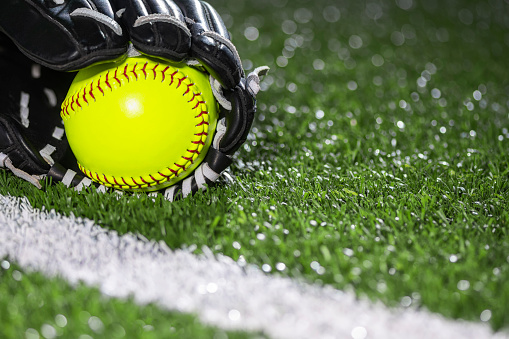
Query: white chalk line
{"x": 214, "y": 287}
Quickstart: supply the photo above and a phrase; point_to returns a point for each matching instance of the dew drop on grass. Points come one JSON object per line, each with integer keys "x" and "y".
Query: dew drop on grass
{"x": 234, "y": 315}
{"x": 251, "y": 33}
{"x": 355, "y": 42}
{"x": 463, "y": 285}
{"x": 5, "y": 265}
{"x": 406, "y": 301}
{"x": 212, "y": 288}
{"x": 435, "y": 93}
{"x": 377, "y": 60}
{"x": 60, "y": 320}
{"x": 16, "y": 275}
{"x": 48, "y": 331}
{"x": 31, "y": 333}
{"x": 148, "y": 328}
{"x": 318, "y": 64}
{"x": 96, "y": 324}
{"x": 348, "y": 252}
{"x": 331, "y": 14}
{"x": 352, "y": 85}
{"x": 397, "y": 38}
{"x": 359, "y": 332}
{"x": 485, "y": 315}
{"x": 280, "y": 266}
{"x": 289, "y": 27}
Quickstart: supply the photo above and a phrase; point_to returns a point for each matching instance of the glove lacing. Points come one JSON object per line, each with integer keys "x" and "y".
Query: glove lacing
{"x": 5, "y": 162}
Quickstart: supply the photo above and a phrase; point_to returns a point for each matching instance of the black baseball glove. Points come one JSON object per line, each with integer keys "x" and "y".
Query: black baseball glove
{"x": 65, "y": 35}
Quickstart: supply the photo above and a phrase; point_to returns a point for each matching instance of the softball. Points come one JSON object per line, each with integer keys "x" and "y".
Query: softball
{"x": 141, "y": 124}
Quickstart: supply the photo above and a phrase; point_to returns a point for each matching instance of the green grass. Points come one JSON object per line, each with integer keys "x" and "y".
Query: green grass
{"x": 355, "y": 176}
{"x": 30, "y": 303}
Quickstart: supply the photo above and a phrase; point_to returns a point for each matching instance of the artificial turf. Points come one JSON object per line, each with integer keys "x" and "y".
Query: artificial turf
{"x": 378, "y": 161}
{"x": 33, "y": 306}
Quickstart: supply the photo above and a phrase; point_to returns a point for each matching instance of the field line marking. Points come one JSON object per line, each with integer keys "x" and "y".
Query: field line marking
{"x": 216, "y": 288}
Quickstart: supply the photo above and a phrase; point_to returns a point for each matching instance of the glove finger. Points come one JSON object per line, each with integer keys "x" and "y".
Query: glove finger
{"x": 211, "y": 42}
{"x": 63, "y": 35}
{"x": 158, "y": 28}
{"x": 238, "y": 120}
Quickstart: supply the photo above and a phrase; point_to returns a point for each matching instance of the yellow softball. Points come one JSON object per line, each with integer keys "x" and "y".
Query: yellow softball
{"x": 140, "y": 124}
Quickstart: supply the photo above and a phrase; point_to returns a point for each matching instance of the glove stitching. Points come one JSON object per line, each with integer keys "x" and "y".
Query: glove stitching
{"x": 99, "y": 17}
{"x": 165, "y": 18}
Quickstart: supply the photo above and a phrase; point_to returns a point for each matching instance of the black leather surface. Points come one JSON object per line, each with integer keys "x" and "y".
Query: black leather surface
{"x": 47, "y": 33}
{"x": 238, "y": 120}
{"x": 22, "y": 142}
{"x": 160, "y": 39}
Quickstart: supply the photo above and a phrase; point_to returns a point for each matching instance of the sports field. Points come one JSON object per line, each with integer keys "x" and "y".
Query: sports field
{"x": 370, "y": 201}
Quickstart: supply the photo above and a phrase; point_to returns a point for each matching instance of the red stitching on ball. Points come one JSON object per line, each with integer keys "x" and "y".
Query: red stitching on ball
{"x": 188, "y": 88}
{"x": 180, "y": 81}
{"x": 173, "y": 77}
{"x": 165, "y": 176}
{"x": 163, "y": 73}
{"x": 134, "y": 71}
{"x": 152, "y": 177}
{"x": 154, "y": 70}
{"x": 85, "y": 95}
{"x": 116, "y": 77}
{"x": 143, "y": 70}
{"x": 203, "y": 122}
{"x": 116, "y": 182}
{"x": 99, "y": 86}
{"x": 194, "y": 96}
{"x": 108, "y": 80}
{"x": 91, "y": 92}
{"x": 201, "y": 134}
{"x": 198, "y": 104}
{"x": 125, "y": 72}
{"x": 78, "y": 100}
{"x": 135, "y": 183}
{"x": 202, "y": 113}
{"x": 106, "y": 179}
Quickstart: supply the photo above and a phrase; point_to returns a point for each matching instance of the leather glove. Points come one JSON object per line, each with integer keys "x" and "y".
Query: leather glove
{"x": 64, "y": 34}
{"x": 90, "y": 31}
